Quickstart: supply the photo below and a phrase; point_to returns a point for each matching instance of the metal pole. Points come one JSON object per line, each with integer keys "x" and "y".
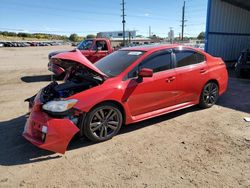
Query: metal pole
{"x": 123, "y": 21}
{"x": 183, "y": 21}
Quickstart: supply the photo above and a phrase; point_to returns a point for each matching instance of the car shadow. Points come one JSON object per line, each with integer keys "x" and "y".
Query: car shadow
{"x": 15, "y": 150}
{"x": 237, "y": 96}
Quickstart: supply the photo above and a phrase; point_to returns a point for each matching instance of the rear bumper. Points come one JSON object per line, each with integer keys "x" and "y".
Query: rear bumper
{"x": 49, "y": 133}
{"x": 223, "y": 82}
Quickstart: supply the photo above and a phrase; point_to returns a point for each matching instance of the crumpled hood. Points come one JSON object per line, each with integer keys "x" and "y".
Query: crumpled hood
{"x": 51, "y": 54}
{"x": 76, "y": 56}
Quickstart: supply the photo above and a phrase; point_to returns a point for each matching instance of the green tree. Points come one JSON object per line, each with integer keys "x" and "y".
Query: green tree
{"x": 73, "y": 37}
{"x": 201, "y": 36}
{"x": 90, "y": 36}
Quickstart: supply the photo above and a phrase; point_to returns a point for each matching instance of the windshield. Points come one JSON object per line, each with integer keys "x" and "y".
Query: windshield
{"x": 85, "y": 45}
{"x": 115, "y": 63}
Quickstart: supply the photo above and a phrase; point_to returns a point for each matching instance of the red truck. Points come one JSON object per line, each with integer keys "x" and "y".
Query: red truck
{"x": 92, "y": 49}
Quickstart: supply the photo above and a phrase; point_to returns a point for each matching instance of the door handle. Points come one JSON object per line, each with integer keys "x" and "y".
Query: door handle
{"x": 170, "y": 79}
{"x": 203, "y": 70}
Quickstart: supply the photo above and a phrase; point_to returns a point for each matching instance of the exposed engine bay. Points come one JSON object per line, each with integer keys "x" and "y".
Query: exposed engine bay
{"x": 77, "y": 79}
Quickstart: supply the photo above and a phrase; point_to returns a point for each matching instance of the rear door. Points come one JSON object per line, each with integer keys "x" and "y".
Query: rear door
{"x": 152, "y": 93}
{"x": 191, "y": 74}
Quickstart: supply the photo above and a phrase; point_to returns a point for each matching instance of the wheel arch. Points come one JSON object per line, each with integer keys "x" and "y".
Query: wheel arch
{"x": 203, "y": 104}
{"x": 213, "y": 80}
{"x": 118, "y": 104}
{"x": 210, "y": 80}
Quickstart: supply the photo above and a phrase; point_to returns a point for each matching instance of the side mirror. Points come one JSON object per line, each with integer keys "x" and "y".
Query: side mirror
{"x": 145, "y": 72}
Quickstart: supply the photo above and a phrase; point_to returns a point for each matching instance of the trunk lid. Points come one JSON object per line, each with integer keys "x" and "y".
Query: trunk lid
{"x": 76, "y": 56}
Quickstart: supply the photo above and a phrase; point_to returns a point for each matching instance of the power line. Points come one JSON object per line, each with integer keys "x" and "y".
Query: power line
{"x": 90, "y": 12}
{"x": 43, "y": 31}
{"x": 62, "y": 9}
{"x": 80, "y": 18}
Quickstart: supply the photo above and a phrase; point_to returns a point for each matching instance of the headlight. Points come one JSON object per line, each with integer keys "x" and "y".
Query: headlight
{"x": 59, "y": 106}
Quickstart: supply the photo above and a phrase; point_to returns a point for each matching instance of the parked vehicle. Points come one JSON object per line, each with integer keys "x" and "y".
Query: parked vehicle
{"x": 127, "y": 86}
{"x": 242, "y": 66}
{"x": 28, "y": 44}
{"x": 92, "y": 49}
{"x": 74, "y": 43}
{"x": 9, "y": 44}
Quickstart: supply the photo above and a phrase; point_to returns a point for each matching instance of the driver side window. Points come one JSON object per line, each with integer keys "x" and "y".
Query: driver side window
{"x": 100, "y": 44}
{"x": 157, "y": 63}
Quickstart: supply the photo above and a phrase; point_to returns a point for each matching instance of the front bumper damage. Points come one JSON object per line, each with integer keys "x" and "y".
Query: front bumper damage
{"x": 49, "y": 133}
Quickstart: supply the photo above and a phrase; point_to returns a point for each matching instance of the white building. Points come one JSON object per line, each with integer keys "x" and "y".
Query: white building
{"x": 116, "y": 34}
{"x": 171, "y": 35}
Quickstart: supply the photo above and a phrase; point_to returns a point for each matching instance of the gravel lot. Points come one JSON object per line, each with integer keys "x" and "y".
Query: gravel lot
{"x": 189, "y": 148}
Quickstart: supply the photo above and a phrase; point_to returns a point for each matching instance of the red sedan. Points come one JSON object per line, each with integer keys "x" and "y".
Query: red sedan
{"x": 127, "y": 86}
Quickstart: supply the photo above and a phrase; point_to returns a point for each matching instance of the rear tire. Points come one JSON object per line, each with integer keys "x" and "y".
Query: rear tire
{"x": 103, "y": 122}
{"x": 209, "y": 95}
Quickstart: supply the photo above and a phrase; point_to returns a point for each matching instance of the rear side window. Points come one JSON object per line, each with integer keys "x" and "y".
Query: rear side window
{"x": 200, "y": 58}
{"x": 188, "y": 57}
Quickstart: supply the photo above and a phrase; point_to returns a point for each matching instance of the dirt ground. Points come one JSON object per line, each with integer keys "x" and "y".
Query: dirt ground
{"x": 188, "y": 148}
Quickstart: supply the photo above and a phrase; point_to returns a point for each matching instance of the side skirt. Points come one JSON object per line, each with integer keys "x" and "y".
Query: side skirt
{"x": 162, "y": 111}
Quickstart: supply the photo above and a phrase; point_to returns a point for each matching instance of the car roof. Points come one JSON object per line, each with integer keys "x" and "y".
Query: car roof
{"x": 154, "y": 47}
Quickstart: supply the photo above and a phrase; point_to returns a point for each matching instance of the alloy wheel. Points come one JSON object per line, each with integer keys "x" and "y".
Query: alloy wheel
{"x": 210, "y": 93}
{"x": 104, "y": 122}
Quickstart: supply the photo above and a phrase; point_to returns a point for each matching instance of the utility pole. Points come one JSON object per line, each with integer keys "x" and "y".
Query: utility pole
{"x": 183, "y": 21}
{"x": 129, "y": 37}
{"x": 123, "y": 21}
{"x": 149, "y": 31}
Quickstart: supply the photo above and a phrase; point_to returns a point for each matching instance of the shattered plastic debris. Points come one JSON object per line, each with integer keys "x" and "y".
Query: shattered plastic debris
{"x": 247, "y": 119}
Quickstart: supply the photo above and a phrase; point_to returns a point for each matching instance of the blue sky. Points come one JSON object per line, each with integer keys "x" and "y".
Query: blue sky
{"x": 91, "y": 16}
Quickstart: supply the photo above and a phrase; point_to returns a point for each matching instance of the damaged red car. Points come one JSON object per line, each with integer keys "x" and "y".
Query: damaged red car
{"x": 127, "y": 86}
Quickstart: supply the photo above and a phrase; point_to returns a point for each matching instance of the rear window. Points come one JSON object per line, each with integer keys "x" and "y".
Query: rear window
{"x": 115, "y": 63}
{"x": 188, "y": 57}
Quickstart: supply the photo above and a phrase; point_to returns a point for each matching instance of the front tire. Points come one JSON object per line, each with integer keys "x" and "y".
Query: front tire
{"x": 209, "y": 95}
{"x": 103, "y": 122}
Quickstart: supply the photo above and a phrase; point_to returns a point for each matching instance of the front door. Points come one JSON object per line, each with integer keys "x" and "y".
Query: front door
{"x": 157, "y": 92}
